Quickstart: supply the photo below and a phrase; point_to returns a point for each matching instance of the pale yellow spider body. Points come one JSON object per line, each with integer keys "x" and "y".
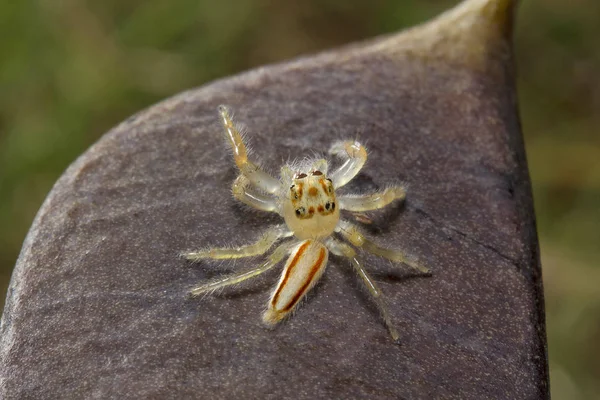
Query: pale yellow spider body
{"x": 305, "y": 196}
{"x": 310, "y": 209}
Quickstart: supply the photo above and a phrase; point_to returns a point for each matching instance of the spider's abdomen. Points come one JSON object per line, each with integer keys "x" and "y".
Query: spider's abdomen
{"x": 303, "y": 269}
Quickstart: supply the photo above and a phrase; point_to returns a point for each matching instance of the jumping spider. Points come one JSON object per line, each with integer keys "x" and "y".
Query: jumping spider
{"x": 305, "y": 196}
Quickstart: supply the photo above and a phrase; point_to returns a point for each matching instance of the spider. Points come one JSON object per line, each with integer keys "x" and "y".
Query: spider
{"x": 305, "y": 196}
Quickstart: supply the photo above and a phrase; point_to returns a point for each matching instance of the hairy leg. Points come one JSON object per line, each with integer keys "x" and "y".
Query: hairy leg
{"x": 246, "y": 194}
{"x": 342, "y": 249}
{"x": 354, "y": 155}
{"x": 353, "y": 235}
{"x": 260, "y": 247}
{"x": 257, "y": 176}
{"x": 371, "y": 201}
{"x": 229, "y": 280}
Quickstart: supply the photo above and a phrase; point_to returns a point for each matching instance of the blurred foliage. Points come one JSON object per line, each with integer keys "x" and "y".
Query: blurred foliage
{"x": 72, "y": 69}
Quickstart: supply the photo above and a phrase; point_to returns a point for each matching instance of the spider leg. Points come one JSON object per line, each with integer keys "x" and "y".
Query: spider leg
{"x": 257, "y": 176}
{"x": 260, "y": 247}
{"x": 246, "y": 194}
{"x": 371, "y": 201}
{"x": 353, "y": 235}
{"x": 354, "y": 155}
{"x": 229, "y": 280}
{"x": 341, "y": 249}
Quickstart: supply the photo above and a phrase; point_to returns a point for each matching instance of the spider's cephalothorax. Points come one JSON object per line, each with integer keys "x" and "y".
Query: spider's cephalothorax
{"x": 310, "y": 209}
{"x": 305, "y": 196}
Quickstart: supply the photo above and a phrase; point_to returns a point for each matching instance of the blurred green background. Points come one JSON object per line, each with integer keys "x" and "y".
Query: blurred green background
{"x": 72, "y": 69}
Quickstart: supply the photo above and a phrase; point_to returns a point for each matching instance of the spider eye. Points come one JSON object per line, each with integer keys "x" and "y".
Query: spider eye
{"x": 327, "y": 205}
{"x": 300, "y": 211}
{"x": 317, "y": 173}
{"x": 292, "y": 187}
{"x": 301, "y": 176}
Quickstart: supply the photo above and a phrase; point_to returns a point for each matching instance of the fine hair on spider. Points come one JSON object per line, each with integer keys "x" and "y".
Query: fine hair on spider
{"x": 305, "y": 196}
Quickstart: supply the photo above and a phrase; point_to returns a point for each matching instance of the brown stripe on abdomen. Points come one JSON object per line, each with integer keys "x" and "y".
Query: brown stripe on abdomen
{"x": 289, "y": 270}
{"x": 313, "y": 270}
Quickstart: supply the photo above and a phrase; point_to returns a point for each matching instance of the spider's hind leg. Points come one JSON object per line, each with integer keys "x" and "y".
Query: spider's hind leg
{"x": 229, "y": 280}
{"x": 353, "y": 235}
{"x": 267, "y": 240}
{"x": 341, "y": 249}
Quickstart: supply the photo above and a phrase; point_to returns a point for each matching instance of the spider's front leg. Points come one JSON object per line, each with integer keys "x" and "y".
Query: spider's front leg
{"x": 243, "y": 191}
{"x": 354, "y": 155}
{"x": 353, "y": 235}
{"x": 260, "y": 247}
{"x": 229, "y": 280}
{"x": 254, "y": 174}
{"x": 341, "y": 249}
{"x": 372, "y": 201}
